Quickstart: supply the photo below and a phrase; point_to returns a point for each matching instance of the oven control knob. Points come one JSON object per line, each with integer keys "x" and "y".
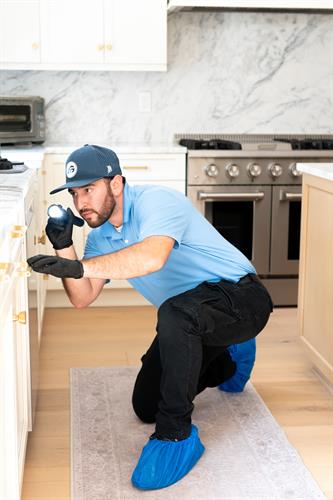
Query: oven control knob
{"x": 254, "y": 169}
{"x": 275, "y": 170}
{"x": 294, "y": 172}
{"x": 211, "y": 170}
{"x": 232, "y": 170}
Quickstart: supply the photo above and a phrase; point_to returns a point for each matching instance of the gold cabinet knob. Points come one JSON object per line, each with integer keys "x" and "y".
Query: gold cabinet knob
{"x": 4, "y": 266}
{"x": 42, "y": 239}
{"x": 45, "y": 277}
{"x": 21, "y": 317}
{"x": 108, "y": 46}
{"x": 35, "y": 45}
{"x": 100, "y": 46}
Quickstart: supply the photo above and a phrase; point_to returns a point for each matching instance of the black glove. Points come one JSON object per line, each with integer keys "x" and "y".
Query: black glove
{"x": 57, "y": 266}
{"x": 60, "y": 233}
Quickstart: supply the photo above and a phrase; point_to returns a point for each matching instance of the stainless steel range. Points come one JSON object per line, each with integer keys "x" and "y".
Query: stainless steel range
{"x": 249, "y": 188}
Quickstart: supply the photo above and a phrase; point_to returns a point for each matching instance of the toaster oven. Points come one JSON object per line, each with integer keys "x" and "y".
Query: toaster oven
{"x": 22, "y": 120}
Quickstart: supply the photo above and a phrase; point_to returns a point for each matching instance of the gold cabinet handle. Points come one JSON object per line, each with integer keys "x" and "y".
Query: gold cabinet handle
{"x": 45, "y": 277}
{"x": 35, "y": 45}
{"x": 21, "y": 317}
{"x": 22, "y": 266}
{"x": 18, "y": 231}
{"x": 22, "y": 270}
{"x": 42, "y": 239}
{"x": 4, "y": 272}
{"x": 22, "y": 274}
{"x": 108, "y": 46}
{"x": 100, "y": 46}
{"x": 136, "y": 167}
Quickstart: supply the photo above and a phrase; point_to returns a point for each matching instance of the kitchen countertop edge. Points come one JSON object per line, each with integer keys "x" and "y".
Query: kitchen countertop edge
{"x": 322, "y": 170}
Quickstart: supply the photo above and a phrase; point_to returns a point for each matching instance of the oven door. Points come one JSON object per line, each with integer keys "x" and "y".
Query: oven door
{"x": 286, "y": 226}
{"x": 241, "y": 214}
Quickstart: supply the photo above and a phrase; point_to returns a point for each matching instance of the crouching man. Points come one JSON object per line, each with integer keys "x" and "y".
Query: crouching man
{"x": 211, "y": 304}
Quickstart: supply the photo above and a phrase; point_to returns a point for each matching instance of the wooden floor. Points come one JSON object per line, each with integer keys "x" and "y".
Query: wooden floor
{"x": 300, "y": 402}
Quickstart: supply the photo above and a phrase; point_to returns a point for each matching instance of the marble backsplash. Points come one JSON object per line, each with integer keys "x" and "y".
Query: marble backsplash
{"x": 232, "y": 72}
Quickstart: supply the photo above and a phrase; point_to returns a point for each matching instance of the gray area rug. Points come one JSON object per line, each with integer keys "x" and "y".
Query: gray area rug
{"x": 247, "y": 454}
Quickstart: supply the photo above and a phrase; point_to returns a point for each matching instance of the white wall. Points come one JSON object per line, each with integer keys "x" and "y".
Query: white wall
{"x": 234, "y": 72}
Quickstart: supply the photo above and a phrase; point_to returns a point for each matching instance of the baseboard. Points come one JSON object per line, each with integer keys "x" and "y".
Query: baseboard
{"x": 107, "y": 298}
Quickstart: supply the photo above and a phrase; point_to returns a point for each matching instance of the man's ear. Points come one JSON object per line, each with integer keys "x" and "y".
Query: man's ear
{"x": 117, "y": 185}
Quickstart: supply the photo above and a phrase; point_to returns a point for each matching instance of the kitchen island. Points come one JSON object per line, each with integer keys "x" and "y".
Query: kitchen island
{"x": 315, "y": 296}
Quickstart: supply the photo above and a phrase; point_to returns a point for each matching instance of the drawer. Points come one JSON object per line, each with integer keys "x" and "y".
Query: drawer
{"x": 141, "y": 167}
{"x": 178, "y": 185}
{"x": 149, "y": 168}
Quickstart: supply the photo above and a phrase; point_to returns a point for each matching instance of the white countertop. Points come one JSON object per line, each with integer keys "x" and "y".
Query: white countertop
{"x": 323, "y": 170}
{"x": 34, "y": 151}
{"x": 15, "y": 184}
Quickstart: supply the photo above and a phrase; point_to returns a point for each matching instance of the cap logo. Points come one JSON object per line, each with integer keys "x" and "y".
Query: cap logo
{"x": 71, "y": 169}
{"x": 109, "y": 169}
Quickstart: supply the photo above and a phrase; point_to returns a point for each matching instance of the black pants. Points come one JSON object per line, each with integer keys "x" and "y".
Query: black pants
{"x": 189, "y": 352}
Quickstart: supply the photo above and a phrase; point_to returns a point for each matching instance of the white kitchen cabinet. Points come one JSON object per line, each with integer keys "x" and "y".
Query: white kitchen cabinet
{"x": 36, "y": 237}
{"x": 14, "y": 365}
{"x": 36, "y": 242}
{"x": 92, "y": 35}
{"x": 135, "y": 33}
{"x": 20, "y": 32}
{"x": 72, "y": 31}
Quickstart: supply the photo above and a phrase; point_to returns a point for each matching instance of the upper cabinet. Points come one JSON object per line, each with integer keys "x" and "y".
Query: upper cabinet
{"x": 91, "y": 35}
{"x": 72, "y": 32}
{"x": 174, "y": 5}
{"x": 19, "y": 33}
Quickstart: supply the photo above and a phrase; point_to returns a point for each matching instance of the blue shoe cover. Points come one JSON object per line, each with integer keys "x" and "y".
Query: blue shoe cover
{"x": 244, "y": 356}
{"x": 162, "y": 463}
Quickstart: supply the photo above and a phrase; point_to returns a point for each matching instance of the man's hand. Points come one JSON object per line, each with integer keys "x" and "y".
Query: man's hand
{"x": 56, "y": 266}
{"x": 60, "y": 235}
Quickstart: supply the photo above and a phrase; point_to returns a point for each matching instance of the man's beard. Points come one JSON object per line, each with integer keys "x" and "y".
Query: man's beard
{"x": 105, "y": 213}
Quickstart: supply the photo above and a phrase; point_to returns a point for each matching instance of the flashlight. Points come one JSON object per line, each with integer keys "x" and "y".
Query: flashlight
{"x": 60, "y": 214}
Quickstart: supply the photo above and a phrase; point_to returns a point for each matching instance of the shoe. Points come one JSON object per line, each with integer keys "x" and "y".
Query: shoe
{"x": 163, "y": 463}
{"x": 244, "y": 356}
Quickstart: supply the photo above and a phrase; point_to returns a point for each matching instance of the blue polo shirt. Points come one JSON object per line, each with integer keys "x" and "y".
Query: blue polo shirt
{"x": 199, "y": 253}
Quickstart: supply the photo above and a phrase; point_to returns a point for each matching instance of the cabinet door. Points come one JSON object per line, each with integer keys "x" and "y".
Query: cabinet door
{"x": 36, "y": 241}
{"x": 41, "y": 238}
{"x": 19, "y": 33}
{"x": 135, "y": 32}
{"x": 9, "y": 478}
{"x": 14, "y": 381}
{"x": 72, "y": 31}
{"x": 21, "y": 364}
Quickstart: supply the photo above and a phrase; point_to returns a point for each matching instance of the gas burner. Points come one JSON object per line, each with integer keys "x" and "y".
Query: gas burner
{"x": 305, "y": 144}
{"x": 217, "y": 144}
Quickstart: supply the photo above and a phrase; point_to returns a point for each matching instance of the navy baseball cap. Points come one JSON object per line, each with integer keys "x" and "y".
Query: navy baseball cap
{"x": 88, "y": 164}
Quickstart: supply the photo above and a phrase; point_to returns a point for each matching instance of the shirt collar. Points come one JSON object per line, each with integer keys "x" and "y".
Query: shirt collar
{"x": 107, "y": 229}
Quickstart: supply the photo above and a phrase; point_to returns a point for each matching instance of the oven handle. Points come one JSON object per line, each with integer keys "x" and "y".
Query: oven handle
{"x": 231, "y": 196}
{"x": 290, "y": 196}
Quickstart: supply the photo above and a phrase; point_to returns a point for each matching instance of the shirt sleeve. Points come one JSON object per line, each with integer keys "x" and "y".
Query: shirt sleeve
{"x": 91, "y": 249}
{"x": 162, "y": 212}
